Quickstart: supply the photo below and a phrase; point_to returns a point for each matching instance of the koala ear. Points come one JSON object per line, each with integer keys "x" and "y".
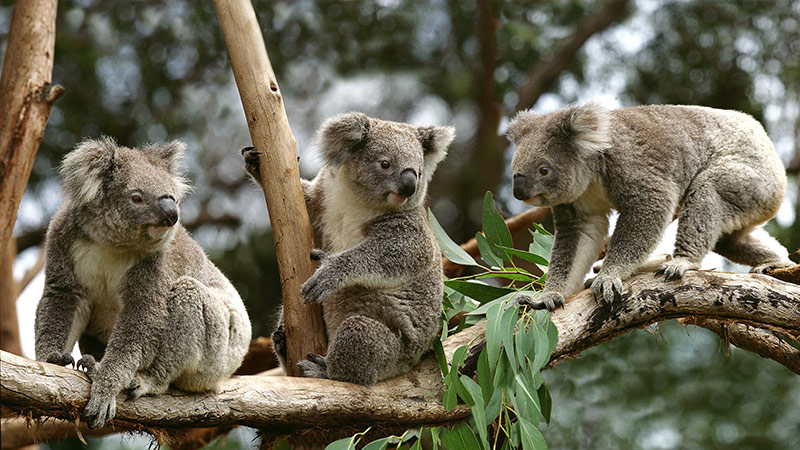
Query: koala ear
{"x": 168, "y": 156}
{"x": 520, "y": 125}
{"x": 86, "y": 167}
{"x": 588, "y": 127}
{"x": 435, "y": 141}
{"x": 342, "y": 135}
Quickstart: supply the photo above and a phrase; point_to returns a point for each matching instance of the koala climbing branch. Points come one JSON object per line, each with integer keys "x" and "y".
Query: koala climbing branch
{"x": 280, "y": 176}
{"x": 754, "y": 306}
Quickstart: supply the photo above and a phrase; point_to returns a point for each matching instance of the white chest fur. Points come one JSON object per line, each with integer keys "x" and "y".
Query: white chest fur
{"x": 101, "y": 270}
{"x": 344, "y": 216}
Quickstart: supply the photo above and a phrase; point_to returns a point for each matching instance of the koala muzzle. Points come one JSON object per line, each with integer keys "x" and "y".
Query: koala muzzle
{"x": 408, "y": 183}
{"x": 521, "y": 191}
{"x": 169, "y": 212}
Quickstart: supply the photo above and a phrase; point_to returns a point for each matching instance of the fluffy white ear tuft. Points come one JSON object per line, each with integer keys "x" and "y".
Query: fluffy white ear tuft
{"x": 520, "y": 125}
{"x": 342, "y": 135}
{"x": 589, "y": 127}
{"x": 85, "y": 168}
{"x": 435, "y": 141}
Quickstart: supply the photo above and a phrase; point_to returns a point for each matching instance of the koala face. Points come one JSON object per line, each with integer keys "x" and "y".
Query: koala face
{"x": 386, "y": 164}
{"x": 556, "y": 154}
{"x": 131, "y": 195}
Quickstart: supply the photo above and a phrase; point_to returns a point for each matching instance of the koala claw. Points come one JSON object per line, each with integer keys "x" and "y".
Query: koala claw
{"x": 100, "y": 409}
{"x": 318, "y": 255}
{"x": 764, "y": 268}
{"x": 318, "y": 288}
{"x": 545, "y": 300}
{"x": 251, "y": 160}
{"x": 279, "y": 342}
{"x": 314, "y": 367}
{"x": 88, "y": 363}
{"x": 674, "y": 268}
{"x": 135, "y": 389}
{"x": 607, "y": 288}
{"x": 61, "y": 359}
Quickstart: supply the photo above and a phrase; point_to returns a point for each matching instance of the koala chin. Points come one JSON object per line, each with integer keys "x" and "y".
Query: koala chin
{"x": 380, "y": 272}
{"x": 125, "y": 280}
{"x": 716, "y": 170}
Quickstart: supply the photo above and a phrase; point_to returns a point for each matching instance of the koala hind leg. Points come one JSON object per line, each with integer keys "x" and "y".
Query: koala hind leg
{"x": 181, "y": 346}
{"x": 753, "y": 247}
{"x": 363, "y": 351}
{"x": 699, "y": 226}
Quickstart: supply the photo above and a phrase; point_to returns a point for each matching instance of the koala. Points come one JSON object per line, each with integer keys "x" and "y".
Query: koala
{"x": 715, "y": 170}
{"x": 379, "y": 277}
{"x": 126, "y": 280}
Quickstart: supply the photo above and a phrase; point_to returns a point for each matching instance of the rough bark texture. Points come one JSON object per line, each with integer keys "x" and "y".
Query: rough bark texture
{"x": 280, "y": 177}
{"x": 9, "y": 326}
{"x": 285, "y": 405}
{"x": 26, "y": 98}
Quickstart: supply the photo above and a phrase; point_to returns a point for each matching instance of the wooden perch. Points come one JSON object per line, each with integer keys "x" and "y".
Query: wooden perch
{"x": 284, "y": 405}
{"x": 26, "y": 98}
{"x": 280, "y": 176}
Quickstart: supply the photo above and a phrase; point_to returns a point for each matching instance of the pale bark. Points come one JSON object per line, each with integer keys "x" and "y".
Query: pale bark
{"x": 280, "y": 176}
{"x": 9, "y": 326}
{"x": 26, "y": 98}
{"x": 285, "y": 405}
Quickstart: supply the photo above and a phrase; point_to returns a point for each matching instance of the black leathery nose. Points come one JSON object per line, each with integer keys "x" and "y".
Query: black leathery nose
{"x": 408, "y": 183}
{"x": 169, "y": 211}
{"x": 520, "y": 184}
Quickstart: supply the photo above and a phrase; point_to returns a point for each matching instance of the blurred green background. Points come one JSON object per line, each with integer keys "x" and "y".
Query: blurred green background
{"x": 153, "y": 71}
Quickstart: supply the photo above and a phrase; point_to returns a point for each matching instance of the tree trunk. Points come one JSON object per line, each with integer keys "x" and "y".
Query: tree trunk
{"x": 280, "y": 177}
{"x": 26, "y": 98}
{"x": 9, "y": 326}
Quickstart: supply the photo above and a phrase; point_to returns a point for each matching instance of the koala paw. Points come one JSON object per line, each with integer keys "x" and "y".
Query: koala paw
{"x": 88, "y": 364}
{"x": 101, "y": 408}
{"x": 607, "y": 288}
{"x": 61, "y": 359}
{"x": 314, "y": 367}
{"x": 764, "y": 268}
{"x": 549, "y": 300}
{"x": 320, "y": 286}
{"x": 279, "y": 342}
{"x": 251, "y": 161}
{"x": 674, "y": 268}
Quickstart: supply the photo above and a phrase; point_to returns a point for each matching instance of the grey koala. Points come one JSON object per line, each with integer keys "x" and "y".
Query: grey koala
{"x": 715, "y": 170}
{"x": 126, "y": 280}
{"x": 380, "y": 273}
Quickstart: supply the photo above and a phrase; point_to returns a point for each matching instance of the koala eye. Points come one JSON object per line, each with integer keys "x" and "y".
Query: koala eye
{"x": 385, "y": 164}
{"x": 544, "y": 171}
{"x": 137, "y": 198}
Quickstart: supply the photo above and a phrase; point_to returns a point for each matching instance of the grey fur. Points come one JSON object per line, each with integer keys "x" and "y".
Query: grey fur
{"x": 716, "y": 170}
{"x": 380, "y": 274}
{"x": 126, "y": 280}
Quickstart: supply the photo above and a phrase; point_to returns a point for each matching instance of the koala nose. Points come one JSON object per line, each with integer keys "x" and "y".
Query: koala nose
{"x": 521, "y": 191}
{"x": 408, "y": 183}
{"x": 169, "y": 211}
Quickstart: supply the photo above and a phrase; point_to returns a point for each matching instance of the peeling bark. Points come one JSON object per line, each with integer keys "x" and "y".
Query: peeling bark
{"x": 286, "y": 405}
{"x": 26, "y": 98}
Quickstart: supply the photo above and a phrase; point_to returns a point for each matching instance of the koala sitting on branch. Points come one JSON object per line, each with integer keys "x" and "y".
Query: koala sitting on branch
{"x": 716, "y": 170}
{"x": 126, "y": 280}
{"x": 380, "y": 272}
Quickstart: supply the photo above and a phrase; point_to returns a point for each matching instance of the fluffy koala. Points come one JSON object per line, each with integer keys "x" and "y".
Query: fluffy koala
{"x": 715, "y": 170}
{"x": 125, "y": 280}
{"x": 380, "y": 275}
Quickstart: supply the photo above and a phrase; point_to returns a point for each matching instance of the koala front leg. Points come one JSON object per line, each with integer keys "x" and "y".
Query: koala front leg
{"x": 638, "y": 230}
{"x": 578, "y": 241}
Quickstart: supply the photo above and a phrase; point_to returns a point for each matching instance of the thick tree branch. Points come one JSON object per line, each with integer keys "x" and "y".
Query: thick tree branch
{"x": 280, "y": 177}
{"x": 289, "y": 405}
{"x": 26, "y": 98}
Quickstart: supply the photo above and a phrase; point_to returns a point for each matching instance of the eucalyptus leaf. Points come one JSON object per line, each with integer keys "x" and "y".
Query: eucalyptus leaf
{"x": 460, "y": 437}
{"x": 487, "y": 252}
{"x": 546, "y": 401}
{"x": 450, "y": 249}
{"x": 494, "y": 226}
{"x": 481, "y": 292}
{"x": 525, "y": 256}
{"x": 478, "y": 409}
{"x": 531, "y": 437}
